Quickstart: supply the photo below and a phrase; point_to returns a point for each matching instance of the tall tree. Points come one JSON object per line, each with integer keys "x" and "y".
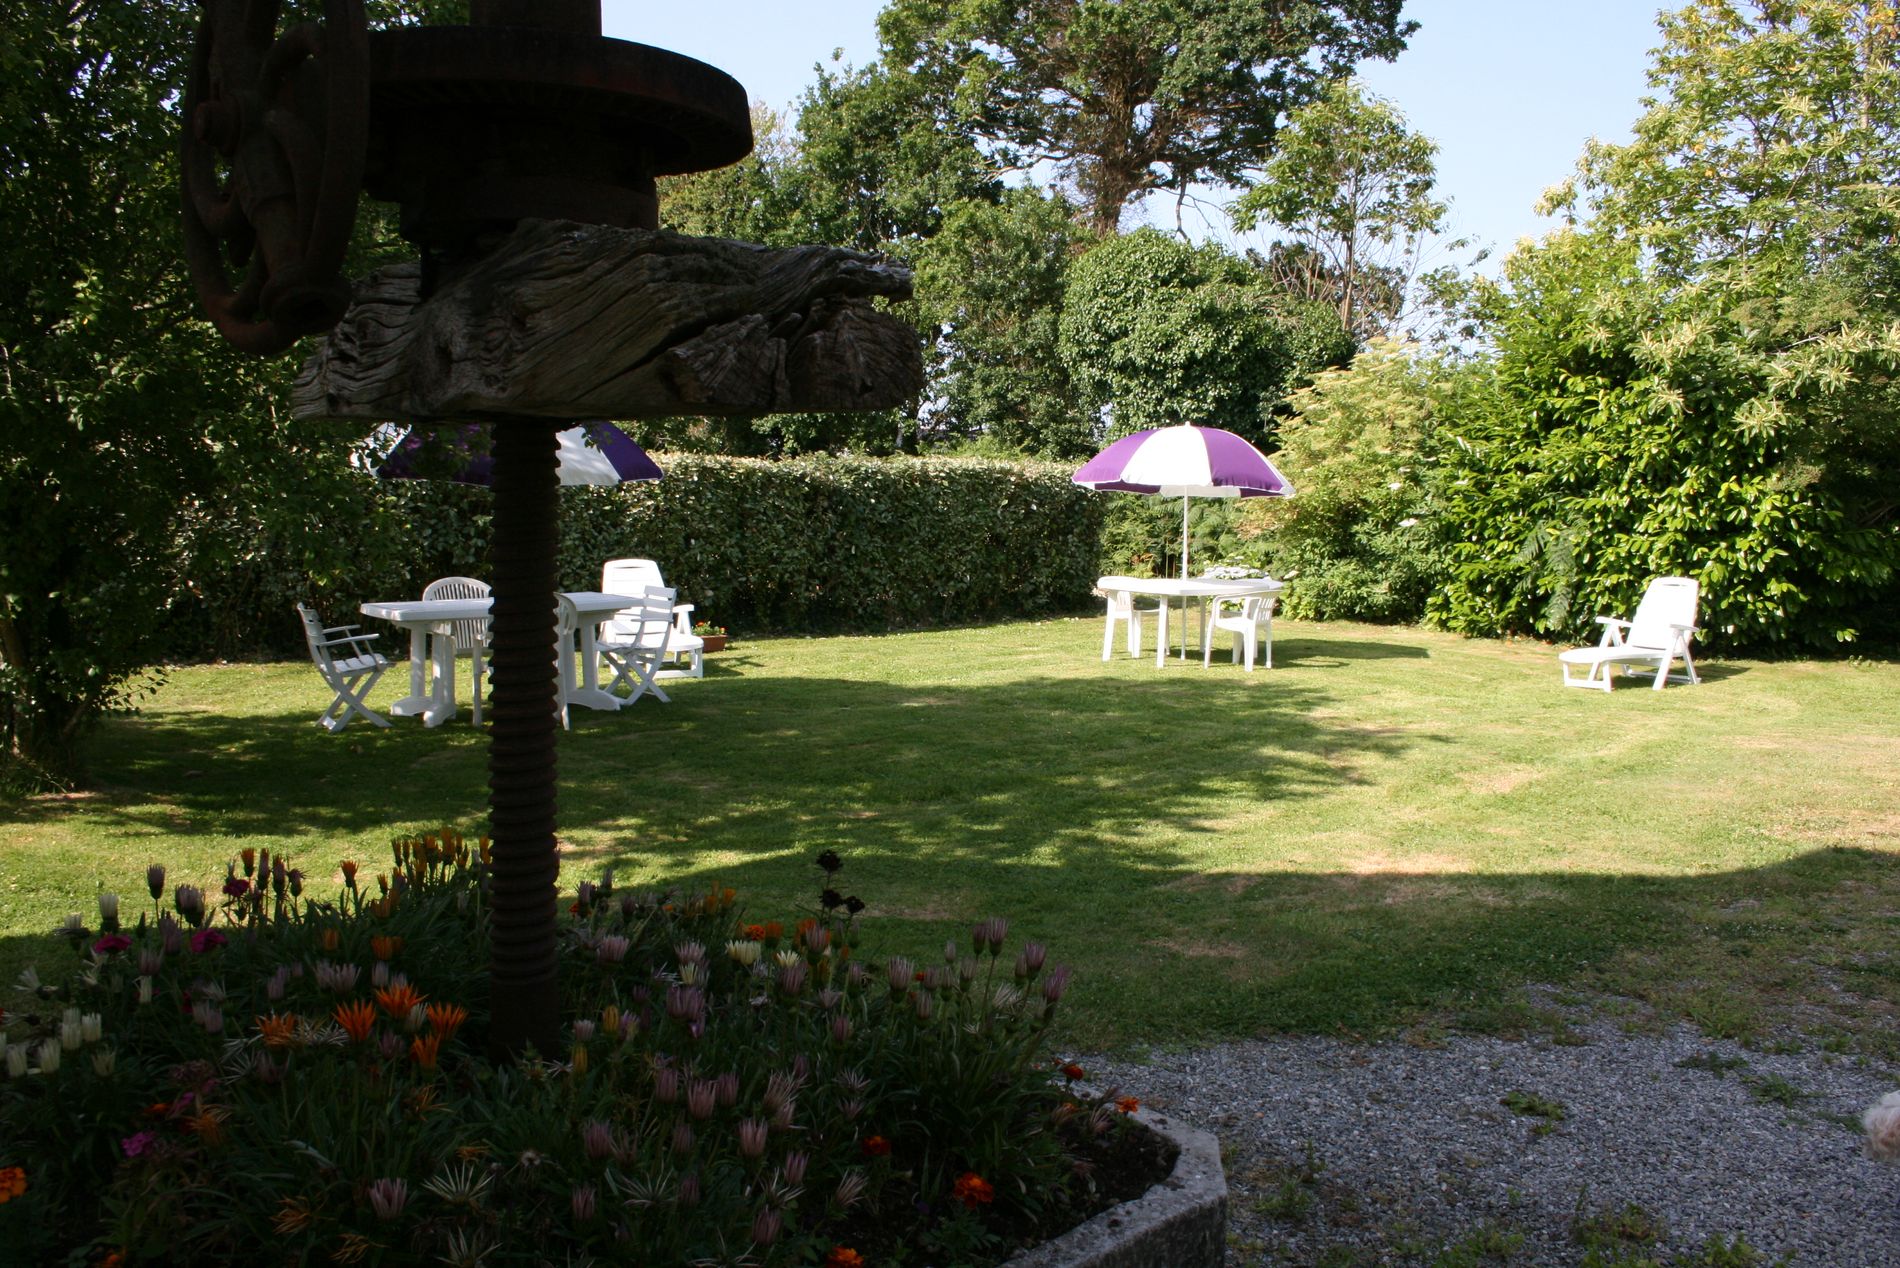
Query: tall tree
{"x": 1353, "y": 189}
{"x": 1156, "y": 332}
{"x": 1128, "y": 96}
{"x": 992, "y": 285}
{"x": 133, "y": 441}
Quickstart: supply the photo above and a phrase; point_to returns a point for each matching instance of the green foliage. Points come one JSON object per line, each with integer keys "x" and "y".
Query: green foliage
{"x": 993, "y": 282}
{"x": 1354, "y": 189}
{"x": 1361, "y": 446}
{"x": 1699, "y": 379}
{"x": 802, "y": 544}
{"x": 262, "y": 1074}
{"x": 1160, "y": 332}
{"x": 1619, "y": 438}
{"x": 1128, "y": 96}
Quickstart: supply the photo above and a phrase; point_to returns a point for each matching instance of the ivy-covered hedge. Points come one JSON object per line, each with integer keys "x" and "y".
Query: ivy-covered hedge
{"x": 819, "y": 544}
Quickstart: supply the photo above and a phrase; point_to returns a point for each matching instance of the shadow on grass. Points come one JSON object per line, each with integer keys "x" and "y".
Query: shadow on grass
{"x": 1163, "y": 962}
{"x": 736, "y": 763}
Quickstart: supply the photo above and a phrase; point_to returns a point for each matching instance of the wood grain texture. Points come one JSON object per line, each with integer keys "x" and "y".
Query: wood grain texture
{"x": 586, "y": 321}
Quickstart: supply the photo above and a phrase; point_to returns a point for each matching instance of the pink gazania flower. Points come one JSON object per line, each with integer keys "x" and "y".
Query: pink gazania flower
{"x": 111, "y": 943}
{"x": 205, "y": 939}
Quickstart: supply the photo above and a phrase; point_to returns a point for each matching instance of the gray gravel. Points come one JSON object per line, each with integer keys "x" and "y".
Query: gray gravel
{"x": 1347, "y": 1154}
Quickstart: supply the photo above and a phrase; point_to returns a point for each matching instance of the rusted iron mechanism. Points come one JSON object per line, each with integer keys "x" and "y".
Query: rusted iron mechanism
{"x": 528, "y": 112}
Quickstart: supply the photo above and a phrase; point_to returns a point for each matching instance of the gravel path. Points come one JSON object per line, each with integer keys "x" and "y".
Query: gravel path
{"x": 1344, "y": 1154}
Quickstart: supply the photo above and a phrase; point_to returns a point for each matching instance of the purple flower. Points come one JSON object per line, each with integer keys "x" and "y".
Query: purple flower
{"x": 155, "y": 880}
{"x": 138, "y": 1144}
{"x": 581, "y": 1201}
{"x": 752, "y": 1134}
{"x": 388, "y": 1197}
{"x": 111, "y": 943}
{"x": 597, "y": 1138}
{"x": 205, "y": 939}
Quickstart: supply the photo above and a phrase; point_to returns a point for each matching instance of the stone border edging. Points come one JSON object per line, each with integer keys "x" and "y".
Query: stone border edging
{"x": 1180, "y": 1222}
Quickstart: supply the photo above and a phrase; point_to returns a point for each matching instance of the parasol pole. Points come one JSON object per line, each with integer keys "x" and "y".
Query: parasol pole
{"x": 1184, "y": 573}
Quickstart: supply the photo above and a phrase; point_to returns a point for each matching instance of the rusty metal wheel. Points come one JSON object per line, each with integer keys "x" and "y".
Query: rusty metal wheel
{"x": 275, "y": 130}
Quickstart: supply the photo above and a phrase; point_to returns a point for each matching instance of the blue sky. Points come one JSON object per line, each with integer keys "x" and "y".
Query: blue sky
{"x": 1510, "y": 89}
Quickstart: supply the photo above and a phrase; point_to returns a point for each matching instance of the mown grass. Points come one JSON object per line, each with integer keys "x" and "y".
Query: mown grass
{"x": 1391, "y": 828}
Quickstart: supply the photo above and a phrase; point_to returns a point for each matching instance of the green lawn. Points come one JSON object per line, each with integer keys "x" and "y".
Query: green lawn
{"x": 1392, "y": 828}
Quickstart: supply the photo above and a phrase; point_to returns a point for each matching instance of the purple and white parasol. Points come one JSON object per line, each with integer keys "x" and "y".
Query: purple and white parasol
{"x": 1185, "y": 461}
{"x": 593, "y": 453}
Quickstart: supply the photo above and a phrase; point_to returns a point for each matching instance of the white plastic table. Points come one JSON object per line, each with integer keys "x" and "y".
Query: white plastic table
{"x": 1185, "y": 588}
{"x": 430, "y": 623}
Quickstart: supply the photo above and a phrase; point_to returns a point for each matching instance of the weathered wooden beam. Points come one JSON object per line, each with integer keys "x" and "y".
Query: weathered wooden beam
{"x": 586, "y": 321}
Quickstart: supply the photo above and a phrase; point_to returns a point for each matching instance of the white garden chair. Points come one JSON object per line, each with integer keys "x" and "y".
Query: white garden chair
{"x": 634, "y": 644}
{"x": 1654, "y": 638}
{"x": 1250, "y": 622}
{"x": 471, "y": 637}
{"x": 348, "y": 664}
{"x": 1122, "y": 607}
{"x": 636, "y": 576}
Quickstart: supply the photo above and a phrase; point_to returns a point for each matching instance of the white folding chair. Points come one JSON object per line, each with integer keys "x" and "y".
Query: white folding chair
{"x": 1251, "y": 624}
{"x": 348, "y": 664}
{"x": 634, "y": 644}
{"x": 634, "y": 576}
{"x": 471, "y": 637}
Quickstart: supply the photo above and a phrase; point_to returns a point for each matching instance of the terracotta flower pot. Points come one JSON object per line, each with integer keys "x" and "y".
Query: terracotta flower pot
{"x": 714, "y": 642}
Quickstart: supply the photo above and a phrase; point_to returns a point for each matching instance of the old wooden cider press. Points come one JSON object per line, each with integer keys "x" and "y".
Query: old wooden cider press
{"x": 522, "y": 149}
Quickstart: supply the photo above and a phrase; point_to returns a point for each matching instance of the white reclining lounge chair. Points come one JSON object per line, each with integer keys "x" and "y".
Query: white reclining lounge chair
{"x": 1654, "y": 638}
{"x": 637, "y": 576}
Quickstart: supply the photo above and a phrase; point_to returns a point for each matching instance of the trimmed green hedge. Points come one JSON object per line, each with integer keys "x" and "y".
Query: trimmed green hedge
{"x": 819, "y": 544}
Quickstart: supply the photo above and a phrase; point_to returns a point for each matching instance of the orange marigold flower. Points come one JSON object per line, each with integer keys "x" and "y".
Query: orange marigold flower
{"x": 398, "y": 1000}
{"x": 755, "y": 933}
{"x": 425, "y": 1048}
{"x": 843, "y": 1257}
{"x": 356, "y": 1018}
{"x": 773, "y": 931}
{"x": 1072, "y": 1072}
{"x": 446, "y": 1019}
{"x": 279, "y": 1029}
{"x": 157, "y": 1109}
{"x": 972, "y": 1190}
{"x": 384, "y": 947}
{"x": 1128, "y": 1104}
{"x": 875, "y": 1147}
{"x": 12, "y": 1183}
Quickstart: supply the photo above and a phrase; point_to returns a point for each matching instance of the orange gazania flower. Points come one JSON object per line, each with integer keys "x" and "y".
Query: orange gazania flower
{"x": 446, "y": 1019}
{"x": 249, "y": 856}
{"x": 487, "y": 850}
{"x": 12, "y": 1183}
{"x": 1072, "y": 1071}
{"x": 208, "y": 1123}
{"x": 356, "y": 1018}
{"x": 843, "y": 1257}
{"x": 293, "y": 1216}
{"x": 278, "y": 1029}
{"x": 875, "y": 1146}
{"x": 384, "y": 947}
{"x": 804, "y": 926}
{"x": 972, "y": 1190}
{"x": 1128, "y": 1104}
{"x": 398, "y": 1000}
{"x": 425, "y": 1048}
{"x": 349, "y": 872}
{"x": 329, "y": 939}
{"x": 113, "y": 1259}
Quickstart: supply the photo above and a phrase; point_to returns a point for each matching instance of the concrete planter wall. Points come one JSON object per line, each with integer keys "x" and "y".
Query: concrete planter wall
{"x": 1180, "y": 1222}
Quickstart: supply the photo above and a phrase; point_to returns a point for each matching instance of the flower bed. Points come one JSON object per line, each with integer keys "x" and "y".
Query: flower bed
{"x": 260, "y": 1076}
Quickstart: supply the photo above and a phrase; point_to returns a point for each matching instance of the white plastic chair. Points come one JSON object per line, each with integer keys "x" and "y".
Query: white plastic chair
{"x": 348, "y": 664}
{"x": 1122, "y": 607}
{"x": 636, "y": 576}
{"x": 1655, "y": 637}
{"x": 471, "y": 637}
{"x": 634, "y": 645}
{"x": 1250, "y": 623}
{"x": 567, "y": 620}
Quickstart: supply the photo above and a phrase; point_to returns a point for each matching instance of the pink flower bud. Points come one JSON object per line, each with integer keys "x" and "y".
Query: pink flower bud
{"x": 752, "y": 1136}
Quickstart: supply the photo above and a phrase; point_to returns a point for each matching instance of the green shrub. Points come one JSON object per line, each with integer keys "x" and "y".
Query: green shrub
{"x": 807, "y": 544}
{"x": 264, "y": 1077}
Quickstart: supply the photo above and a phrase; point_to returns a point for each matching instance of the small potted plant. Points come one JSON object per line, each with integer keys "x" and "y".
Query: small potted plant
{"x": 714, "y": 636}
